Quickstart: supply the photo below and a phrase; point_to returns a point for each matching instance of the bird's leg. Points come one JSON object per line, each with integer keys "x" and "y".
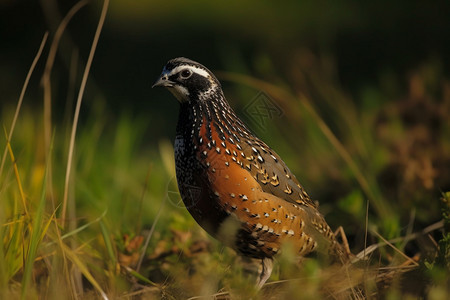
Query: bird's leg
{"x": 340, "y": 232}
{"x": 258, "y": 269}
{"x": 267, "y": 266}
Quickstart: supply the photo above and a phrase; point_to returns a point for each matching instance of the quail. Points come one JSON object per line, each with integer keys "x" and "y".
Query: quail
{"x": 225, "y": 172}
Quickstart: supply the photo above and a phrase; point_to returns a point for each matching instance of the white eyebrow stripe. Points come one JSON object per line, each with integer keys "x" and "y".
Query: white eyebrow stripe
{"x": 194, "y": 69}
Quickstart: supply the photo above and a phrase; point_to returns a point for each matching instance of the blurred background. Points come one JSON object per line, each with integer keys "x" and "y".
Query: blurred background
{"x": 357, "y": 46}
{"x": 361, "y": 90}
{"x": 381, "y": 67}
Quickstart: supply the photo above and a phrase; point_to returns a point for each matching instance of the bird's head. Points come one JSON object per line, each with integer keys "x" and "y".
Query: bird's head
{"x": 188, "y": 80}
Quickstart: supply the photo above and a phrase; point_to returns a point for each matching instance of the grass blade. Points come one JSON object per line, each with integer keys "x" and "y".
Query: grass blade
{"x": 35, "y": 239}
{"x": 16, "y": 171}
{"x": 22, "y": 94}
{"x": 109, "y": 248}
{"x": 84, "y": 269}
{"x": 78, "y": 107}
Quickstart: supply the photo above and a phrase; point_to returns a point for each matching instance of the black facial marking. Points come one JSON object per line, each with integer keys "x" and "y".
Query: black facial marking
{"x": 197, "y": 84}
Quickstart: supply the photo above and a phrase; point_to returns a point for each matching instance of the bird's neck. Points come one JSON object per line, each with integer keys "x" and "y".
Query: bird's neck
{"x": 212, "y": 114}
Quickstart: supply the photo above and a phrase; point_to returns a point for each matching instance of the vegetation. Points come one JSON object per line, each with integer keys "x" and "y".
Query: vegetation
{"x": 89, "y": 205}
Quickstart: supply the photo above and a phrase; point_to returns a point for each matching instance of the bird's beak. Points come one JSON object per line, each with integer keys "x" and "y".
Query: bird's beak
{"x": 164, "y": 81}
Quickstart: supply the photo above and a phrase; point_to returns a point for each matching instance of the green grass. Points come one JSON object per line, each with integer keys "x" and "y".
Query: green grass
{"x": 376, "y": 165}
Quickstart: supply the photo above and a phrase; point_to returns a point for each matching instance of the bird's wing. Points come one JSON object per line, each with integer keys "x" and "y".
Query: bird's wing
{"x": 272, "y": 174}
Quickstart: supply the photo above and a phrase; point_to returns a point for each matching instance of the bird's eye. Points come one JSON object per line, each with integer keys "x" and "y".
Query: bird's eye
{"x": 185, "y": 73}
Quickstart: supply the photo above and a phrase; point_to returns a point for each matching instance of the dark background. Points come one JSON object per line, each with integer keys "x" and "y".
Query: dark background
{"x": 364, "y": 40}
